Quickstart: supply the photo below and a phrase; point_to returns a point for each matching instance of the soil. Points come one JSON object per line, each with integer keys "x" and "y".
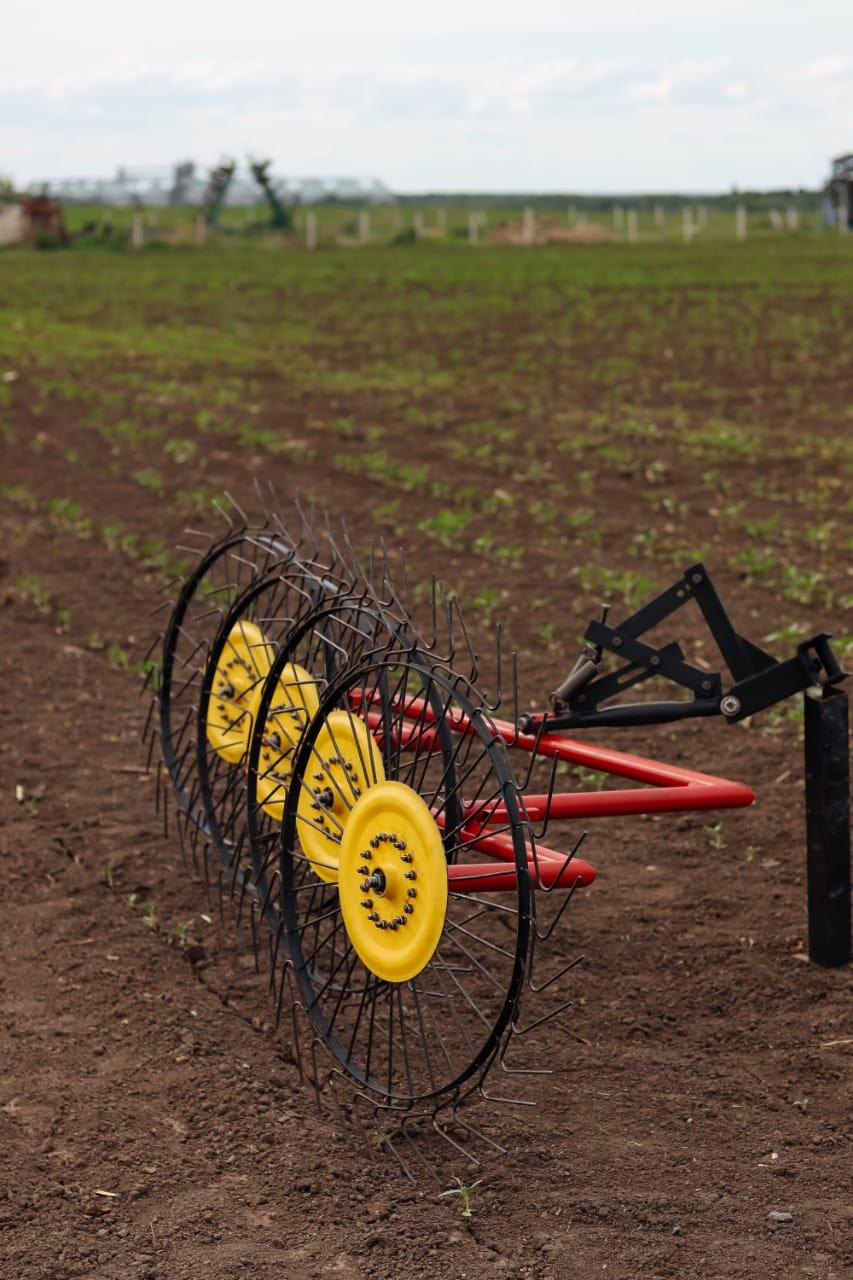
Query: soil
{"x": 154, "y": 1122}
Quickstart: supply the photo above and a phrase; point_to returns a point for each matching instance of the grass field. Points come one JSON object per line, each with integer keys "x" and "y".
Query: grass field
{"x": 545, "y": 428}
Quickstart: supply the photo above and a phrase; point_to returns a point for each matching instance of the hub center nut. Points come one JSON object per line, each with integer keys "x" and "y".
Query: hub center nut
{"x": 376, "y": 883}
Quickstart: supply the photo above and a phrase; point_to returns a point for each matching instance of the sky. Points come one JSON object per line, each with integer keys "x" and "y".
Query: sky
{"x": 538, "y": 95}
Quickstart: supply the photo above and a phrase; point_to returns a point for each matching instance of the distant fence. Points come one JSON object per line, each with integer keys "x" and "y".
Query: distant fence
{"x": 317, "y": 227}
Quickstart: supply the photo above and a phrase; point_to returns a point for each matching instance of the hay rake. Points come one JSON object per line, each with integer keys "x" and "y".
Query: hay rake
{"x": 348, "y": 775}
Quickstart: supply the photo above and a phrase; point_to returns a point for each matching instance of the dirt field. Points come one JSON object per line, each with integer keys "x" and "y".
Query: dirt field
{"x": 545, "y": 429}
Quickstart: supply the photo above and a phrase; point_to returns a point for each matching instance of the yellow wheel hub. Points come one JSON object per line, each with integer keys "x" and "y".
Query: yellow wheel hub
{"x": 243, "y": 664}
{"x": 392, "y": 881}
{"x": 344, "y": 763}
{"x": 294, "y": 703}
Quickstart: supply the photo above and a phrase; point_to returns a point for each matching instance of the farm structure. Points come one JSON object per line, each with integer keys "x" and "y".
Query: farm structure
{"x": 32, "y": 220}
{"x": 838, "y": 196}
{"x": 186, "y": 183}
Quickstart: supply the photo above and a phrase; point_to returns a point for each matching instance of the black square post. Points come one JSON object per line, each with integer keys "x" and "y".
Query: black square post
{"x": 828, "y": 827}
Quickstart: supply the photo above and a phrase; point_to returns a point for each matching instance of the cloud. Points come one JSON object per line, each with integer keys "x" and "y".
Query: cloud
{"x": 831, "y": 67}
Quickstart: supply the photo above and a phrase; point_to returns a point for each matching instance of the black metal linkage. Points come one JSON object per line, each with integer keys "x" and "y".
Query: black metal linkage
{"x": 827, "y": 762}
{"x": 759, "y": 680}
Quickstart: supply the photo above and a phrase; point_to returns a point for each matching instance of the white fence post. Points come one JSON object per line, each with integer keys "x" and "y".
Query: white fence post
{"x": 528, "y": 227}
{"x": 137, "y": 231}
{"x": 418, "y": 225}
{"x": 740, "y": 222}
{"x": 473, "y": 227}
{"x": 792, "y": 218}
{"x": 632, "y": 225}
{"x": 687, "y": 226}
{"x": 310, "y": 229}
{"x": 364, "y": 226}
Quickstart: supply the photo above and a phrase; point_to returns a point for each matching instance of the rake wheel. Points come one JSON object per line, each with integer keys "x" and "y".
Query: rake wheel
{"x": 410, "y": 978}
{"x": 325, "y": 647}
{"x": 251, "y": 634}
{"x": 223, "y": 569}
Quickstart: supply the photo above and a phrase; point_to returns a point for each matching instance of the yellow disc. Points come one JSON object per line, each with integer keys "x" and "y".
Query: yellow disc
{"x": 392, "y": 881}
{"x": 345, "y": 762}
{"x": 244, "y": 662}
{"x": 294, "y": 704}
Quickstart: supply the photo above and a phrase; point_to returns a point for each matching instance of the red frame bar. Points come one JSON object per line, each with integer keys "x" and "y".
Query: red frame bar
{"x": 668, "y": 789}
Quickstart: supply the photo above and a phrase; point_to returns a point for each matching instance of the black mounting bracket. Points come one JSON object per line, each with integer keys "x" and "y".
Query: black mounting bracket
{"x": 758, "y": 679}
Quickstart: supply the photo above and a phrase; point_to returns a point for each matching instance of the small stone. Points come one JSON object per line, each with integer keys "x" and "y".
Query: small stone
{"x": 678, "y": 1231}
{"x": 776, "y": 1215}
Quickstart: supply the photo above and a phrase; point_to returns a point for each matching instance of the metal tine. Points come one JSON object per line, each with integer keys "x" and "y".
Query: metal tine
{"x": 314, "y": 1079}
{"x": 153, "y": 645}
{"x": 540, "y": 1022}
{"x": 222, "y": 512}
{"x": 271, "y": 502}
{"x": 532, "y": 1071}
{"x": 552, "y": 780}
{"x": 401, "y": 1134}
{"x": 295, "y": 1006}
{"x": 446, "y": 659}
{"x": 255, "y": 943}
{"x": 555, "y": 883}
{"x": 349, "y": 559}
{"x": 463, "y": 1151}
{"x": 385, "y": 1141}
{"x": 499, "y": 1098}
{"x": 570, "y": 892}
{"x": 307, "y": 526}
{"x": 473, "y": 655}
{"x": 237, "y": 508}
{"x": 404, "y": 577}
{"x": 472, "y": 1129}
{"x": 492, "y": 704}
{"x": 334, "y": 1079}
{"x": 150, "y": 753}
{"x": 403, "y": 613}
{"x": 549, "y": 982}
{"x": 431, "y": 643}
{"x": 147, "y": 733}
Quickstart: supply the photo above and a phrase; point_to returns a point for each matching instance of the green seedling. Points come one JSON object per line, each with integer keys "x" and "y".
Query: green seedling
{"x": 31, "y": 589}
{"x": 465, "y": 1192}
{"x": 715, "y": 836}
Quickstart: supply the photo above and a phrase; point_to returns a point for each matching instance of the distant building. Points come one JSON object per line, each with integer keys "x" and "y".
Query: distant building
{"x": 838, "y": 194}
{"x": 35, "y": 220}
{"x": 186, "y": 184}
